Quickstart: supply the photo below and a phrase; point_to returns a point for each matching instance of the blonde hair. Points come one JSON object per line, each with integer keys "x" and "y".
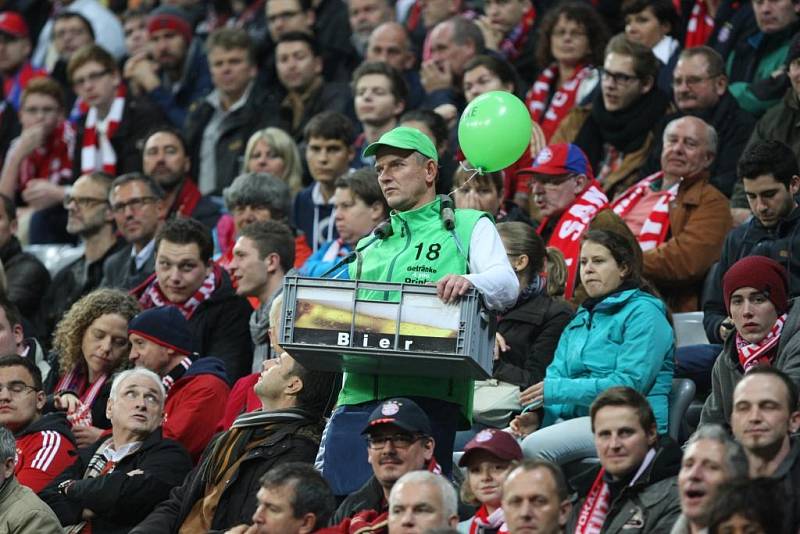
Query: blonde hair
{"x": 285, "y": 147}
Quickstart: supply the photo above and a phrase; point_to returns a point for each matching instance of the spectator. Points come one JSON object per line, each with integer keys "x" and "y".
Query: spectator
{"x": 711, "y": 461}
{"x": 435, "y": 127}
{"x": 570, "y": 45}
{"x": 15, "y": 68}
{"x": 626, "y": 437}
{"x": 486, "y": 192}
{"x": 380, "y": 95}
{"x": 391, "y": 44}
{"x": 615, "y": 129}
{"x": 113, "y": 130}
{"x": 262, "y": 257}
{"x": 489, "y": 457}
{"x": 536, "y": 498}
{"x": 45, "y": 445}
{"x": 420, "y": 501}
{"x": 13, "y": 340}
{"x": 134, "y": 24}
{"x": 654, "y": 24}
{"x": 329, "y": 149}
{"x": 172, "y": 70}
{"x": 272, "y": 151}
{"x": 89, "y": 345}
{"x": 365, "y": 16}
{"x": 188, "y": 279}
{"x": 119, "y": 479}
{"x": 620, "y": 336}
{"x": 756, "y": 57}
{"x": 766, "y": 434}
{"x": 137, "y": 202}
{"x": 299, "y": 66}
{"x": 89, "y": 217}
{"x": 166, "y": 160}
{"x": 286, "y": 429}
{"x": 21, "y": 511}
{"x": 359, "y": 206}
{"x": 71, "y": 32}
{"x": 508, "y": 29}
{"x": 26, "y": 277}
{"x": 756, "y": 299}
{"x": 293, "y": 499}
{"x": 748, "y": 506}
{"x": 196, "y": 386}
{"x": 528, "y": 332}
{"x": 700, "y": 88}
{"x": 218, "y": 126}
{"x": 678, "y": 218}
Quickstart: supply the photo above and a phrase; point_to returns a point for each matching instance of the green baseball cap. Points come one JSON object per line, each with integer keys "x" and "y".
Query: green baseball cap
{"x": 405, "y": 138}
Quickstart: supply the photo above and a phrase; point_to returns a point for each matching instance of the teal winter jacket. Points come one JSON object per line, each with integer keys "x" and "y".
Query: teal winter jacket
{"x": 626, "y": 340}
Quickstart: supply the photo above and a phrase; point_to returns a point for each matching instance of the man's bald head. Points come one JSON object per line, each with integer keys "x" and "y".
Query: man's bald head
{"x": 390, "y": 43}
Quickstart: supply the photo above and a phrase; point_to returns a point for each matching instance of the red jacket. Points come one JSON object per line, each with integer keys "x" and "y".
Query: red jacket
{"x": 242, "y": 400}
{"x": 44, "y": 449}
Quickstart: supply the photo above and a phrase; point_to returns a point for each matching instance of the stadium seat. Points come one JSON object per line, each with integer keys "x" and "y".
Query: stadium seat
{"x": 680, "y": 397}
{"x": 689, "y": 329}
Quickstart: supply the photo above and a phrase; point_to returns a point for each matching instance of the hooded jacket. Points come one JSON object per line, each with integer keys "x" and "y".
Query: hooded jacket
{"x": 44, "y": 449}
{"x": 26, "y": 277}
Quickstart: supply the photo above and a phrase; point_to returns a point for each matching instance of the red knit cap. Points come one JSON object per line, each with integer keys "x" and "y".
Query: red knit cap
{"x": 761, "y": 273}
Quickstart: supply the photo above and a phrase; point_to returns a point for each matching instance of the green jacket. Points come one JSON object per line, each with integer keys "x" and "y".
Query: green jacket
{"x": 22, "y": 512}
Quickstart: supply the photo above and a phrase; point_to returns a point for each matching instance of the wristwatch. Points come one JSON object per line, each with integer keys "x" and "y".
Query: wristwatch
{"x": 64, "y": 486}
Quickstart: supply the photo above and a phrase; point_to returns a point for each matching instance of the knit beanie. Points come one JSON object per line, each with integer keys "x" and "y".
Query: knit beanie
{"x": 170, "y": 18}
{"x": 165, "y": 326}
{"x": 761, "y": 273}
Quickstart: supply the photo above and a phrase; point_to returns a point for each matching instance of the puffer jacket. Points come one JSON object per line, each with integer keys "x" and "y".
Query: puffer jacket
{"x": 625, "y": 340}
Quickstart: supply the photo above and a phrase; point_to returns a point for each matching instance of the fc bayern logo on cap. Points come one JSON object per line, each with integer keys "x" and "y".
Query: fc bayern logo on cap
{"x": 483, "y": 435}
{"x": 544, "y": 156}
{"x": 390, "y": 408}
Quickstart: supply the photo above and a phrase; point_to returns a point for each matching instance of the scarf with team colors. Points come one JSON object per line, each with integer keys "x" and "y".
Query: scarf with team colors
{"x": 572, "y": 225}
{"x": 700, "y": 25}
{"x": 563, "y": 99}
{"x": 97, "y": 154}
{"x": 655, "y": 228}
{"x": 53, "y": 161}
{"x": 761, "y": 353}
{"x": 153, "y": 296}
{"x": 511, "y": 45}
{"x": 483, "y": 519}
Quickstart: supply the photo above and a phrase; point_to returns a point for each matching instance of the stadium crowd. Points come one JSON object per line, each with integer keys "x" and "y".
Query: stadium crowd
{"x": 640, "y": 261}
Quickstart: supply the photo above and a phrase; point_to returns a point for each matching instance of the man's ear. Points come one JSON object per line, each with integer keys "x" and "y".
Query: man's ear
{"x": 564, "y": 510}
{"x": 41, "y": 399}
{"x": 109, "y": 405}
{"x": 794, "y": 422}
{"x": 794, "y": 185}
{"x": 272, "y": 262}
{"x": 19, "y": 333}
{"x": 431, "y": 171}
{"x": 429, "y": 446}
{"x": 295, "y": 385}
{"x": 309, "y": 524}
{"x": 647, "y": 84}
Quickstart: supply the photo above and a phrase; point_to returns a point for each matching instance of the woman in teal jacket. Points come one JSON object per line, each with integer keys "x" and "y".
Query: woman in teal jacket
{"x": 620, "y": 336}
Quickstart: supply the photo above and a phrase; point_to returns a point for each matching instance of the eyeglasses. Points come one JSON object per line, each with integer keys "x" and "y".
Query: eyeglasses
{"x": 44, "y": 110}
{"x": 619, "y": 78}
{"x": 17, "y": 388}
{"x": 286, "y": 15}
{"x": 399, "y": 441}
{"x": 91, "y": 77}
{"x": 135, "y": 204}
{"x": 83, "y": 202}
{"x": 691, "y": 81}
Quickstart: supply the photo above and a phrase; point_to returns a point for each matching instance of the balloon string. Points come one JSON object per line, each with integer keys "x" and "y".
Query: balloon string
{"x": 466, "y": 168}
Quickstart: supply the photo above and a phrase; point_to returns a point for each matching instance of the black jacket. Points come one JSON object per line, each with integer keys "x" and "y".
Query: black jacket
{"x": 753, "y": 238}
{"x": 119, "y": 500}
{"x": 26, "y": 277}
{"x": 119, "y": 270}
{"x": 296, "y": 441}
{"x": 531, "y": 330}
{"x": 331, "y": 96}
{"x": 258, "y": 111}
{"x": 367, "y": 497}
{"x": 788, "y": 475}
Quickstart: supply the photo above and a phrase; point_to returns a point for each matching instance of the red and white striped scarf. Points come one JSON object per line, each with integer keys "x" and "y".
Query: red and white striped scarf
{"x": 483, "y": 519}
{"x": 511, "y": 45}
{"x": 655, "y": 229}
{"x": 595, "y": 507}
{"x": 97, "y": 153}
{"x": 761, "y": 353}
{"x": 153, "y": 296}
{"x": 178, "y": 371}
{"x": 53, "y": 161}
{"x": 572, "y": 225}
{"x": 76, "y": 381}
{"x": 700, "y": 25}
{"x": 563, "y": 99}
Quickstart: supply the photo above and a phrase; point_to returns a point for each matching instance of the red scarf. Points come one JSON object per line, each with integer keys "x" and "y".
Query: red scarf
{"x": 53, "y": 161}
{"x": 563, "y": 98}
{"x": 187, "y": 199}
{"x": 511, "y": 45}
{"x": 595, "y": 507}
{"x": 97, "y": 153}
{"x": 482, "y": 519}
{"x": 153, "y": 297}
{"x": 700, "y": 25}
{"x": 76, "y": 381}
{"x": 572, "y": 225}
{"x": 655, "y": 229}
{"x": 761, "y": 353}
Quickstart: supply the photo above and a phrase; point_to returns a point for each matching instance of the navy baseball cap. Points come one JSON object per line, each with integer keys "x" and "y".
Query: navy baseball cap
{"x": 400, "y": 412}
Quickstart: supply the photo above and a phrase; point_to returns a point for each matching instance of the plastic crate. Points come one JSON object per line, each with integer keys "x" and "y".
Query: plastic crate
{"x": 385, "y": 328}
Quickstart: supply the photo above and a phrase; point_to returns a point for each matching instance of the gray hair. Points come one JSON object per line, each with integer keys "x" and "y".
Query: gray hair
{"x": 8, "y": 445}
{"x": 446, "y": 490}
{"x": 136, "y": 371}
{"x": 155, "y": 189}
{"x": 735, "y": 456}
{"x": 259, "y": 189}
{"x": 712, "y": 139}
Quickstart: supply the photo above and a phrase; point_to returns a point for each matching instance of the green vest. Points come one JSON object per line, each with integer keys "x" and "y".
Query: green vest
{"x": 419, "y": 251}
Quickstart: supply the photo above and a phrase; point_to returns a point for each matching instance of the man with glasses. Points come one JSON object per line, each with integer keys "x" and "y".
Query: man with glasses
{"x": 88, "y": 217}
{"x": 138, "y": 208}
{"x": 45, "y": 445}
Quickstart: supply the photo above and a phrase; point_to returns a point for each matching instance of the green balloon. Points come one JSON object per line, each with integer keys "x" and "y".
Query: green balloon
{"x": 494, "y": 131}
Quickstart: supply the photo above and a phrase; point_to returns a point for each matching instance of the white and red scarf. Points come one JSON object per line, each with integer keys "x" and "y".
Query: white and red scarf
{"x": 97, "y": 153}
{"x": 700, "y": 25}
{"x": 511, "y": 45}
{"x": 76, "y": 381}
{"x": 761, "y": 353}
{"x": 153, "y": 296}
{"x": 563, "y": 99}
{"x": 53, "y": 161}
{"x": 572, "y": 225}
{"x": 655, "y": 229}
{"x": 483, "y": 519}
